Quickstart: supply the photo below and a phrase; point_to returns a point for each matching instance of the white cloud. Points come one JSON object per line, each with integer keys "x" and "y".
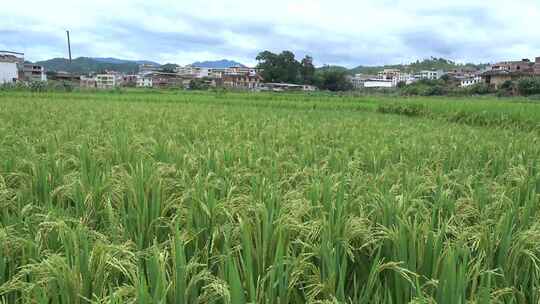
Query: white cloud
{"x": 348, "y": 32}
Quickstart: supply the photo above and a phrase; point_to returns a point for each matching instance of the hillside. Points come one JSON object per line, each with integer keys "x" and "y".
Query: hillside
{"x": 218, "y": 64}
{"x": 426, "y": 64}
{"x": 86, "y": 65}
{"x": 122, "y": 61}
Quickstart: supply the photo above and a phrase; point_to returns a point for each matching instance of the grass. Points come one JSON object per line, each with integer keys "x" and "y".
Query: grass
{"x": 175, "y": 197}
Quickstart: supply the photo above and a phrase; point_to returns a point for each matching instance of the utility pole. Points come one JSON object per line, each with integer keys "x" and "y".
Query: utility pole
{"x": 69, "y": 47}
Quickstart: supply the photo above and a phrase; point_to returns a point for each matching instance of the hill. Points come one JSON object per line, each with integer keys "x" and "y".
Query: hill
{"x": 218, "y": 64}
{"x": 122, "y": 61}
{"x": 86, "y": 65}
{"x": 417, "y": 66}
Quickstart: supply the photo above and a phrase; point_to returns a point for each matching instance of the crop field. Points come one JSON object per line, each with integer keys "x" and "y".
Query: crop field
{"x": 186, "y": 197}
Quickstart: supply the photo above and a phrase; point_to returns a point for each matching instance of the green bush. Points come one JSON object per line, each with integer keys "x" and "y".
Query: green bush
{"x": 529, "y": 86}
{"x": 479, "y": 89}
{"x": 403, "y": 109}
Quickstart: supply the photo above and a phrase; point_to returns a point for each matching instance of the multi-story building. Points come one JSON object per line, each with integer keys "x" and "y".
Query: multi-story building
{"x": 144, "y": 81}
{"x": 32, "y": 72}
{"x": 11, "y": 66}
{"x": 88, "y": 82}
{"x": 106, "y": 81}
{"x": 511, "y": 71}
{"x": 241, "y": 81}
{"x": 525, "y": 65}
{"x": 389, "y": 74}
{"x": 469, "y": 81}
{"x": 378, "y": 83}
{"x": 148, "y": 68}
{"x": 429, "y": 75}
{"x": 537, "y": 66}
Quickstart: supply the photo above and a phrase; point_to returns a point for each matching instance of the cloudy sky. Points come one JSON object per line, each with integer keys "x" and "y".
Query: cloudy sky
{"x": 344, "y": 32}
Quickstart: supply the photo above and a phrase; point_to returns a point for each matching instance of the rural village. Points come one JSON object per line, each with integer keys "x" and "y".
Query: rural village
{"x": 14, "y": 69}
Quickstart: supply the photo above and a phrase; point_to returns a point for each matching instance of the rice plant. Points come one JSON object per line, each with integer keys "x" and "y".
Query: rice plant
{"x": 186, "y": 197}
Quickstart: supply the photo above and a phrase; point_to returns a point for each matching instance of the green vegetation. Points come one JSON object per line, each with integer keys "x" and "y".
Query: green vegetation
{"x": 190, "y": 197}
{"x": 85, "y": 65}
{"x": 417, "y": 66}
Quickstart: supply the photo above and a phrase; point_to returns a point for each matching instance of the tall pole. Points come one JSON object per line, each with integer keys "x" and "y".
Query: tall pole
{"x": 69, "y": 47}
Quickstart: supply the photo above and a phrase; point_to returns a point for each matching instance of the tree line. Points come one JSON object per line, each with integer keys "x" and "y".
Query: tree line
{"x": 285, "y": 68}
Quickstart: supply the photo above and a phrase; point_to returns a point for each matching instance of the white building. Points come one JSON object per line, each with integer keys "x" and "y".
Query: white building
{"x": 106, "y": 81}
{"x": 144, "y": 81}
{"x": 469, "y": 81}
{"x": 404, "y": 78}
{"x": 430, "y": 75}
{"x": 378, "y": 83}
{"x": 10, "y": 65}
{"x": 8, "y": 72}
{"x": 33, "y": 72}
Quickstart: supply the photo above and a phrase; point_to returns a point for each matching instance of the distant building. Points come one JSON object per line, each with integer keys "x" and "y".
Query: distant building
{"x": 106, "y": 81}
{"x": 241, "y": 81}
{"x": 537, "y": 66}
{"x": 8, "y": 72}
{"x": 10, "y": 67}
{"x": 280, "y": 87}
{"x": 359, "y": 79}
{"x": 64, "y": 76}
{"x": 511, "y": 71}
{"x": 469, "y": 81}
{"x": 129, "y": 80}
{"x": 168, "y": 80}
{"x": 144, "y": 81}
{"x": 525, "y": 65}
{"x": 378, "y": 83}
{"x": 33, "y": 72}
{"x": 88, "y": 82}
{"x": 148, "y": 68}
{"x": 429, "y": 75}
{"x": 389, "y": 74}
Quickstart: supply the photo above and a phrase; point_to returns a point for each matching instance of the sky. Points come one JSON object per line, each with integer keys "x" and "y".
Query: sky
{"x": 336, "y": 32}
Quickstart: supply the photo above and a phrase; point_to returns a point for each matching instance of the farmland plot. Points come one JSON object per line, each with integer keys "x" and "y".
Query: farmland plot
{"x": 204, "y": 198}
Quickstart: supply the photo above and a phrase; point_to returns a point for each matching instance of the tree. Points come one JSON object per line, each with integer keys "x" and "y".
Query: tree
{"x": 279, "y": 67}
{"x": 333, "y": 80}
{"x": 307, "y": 70}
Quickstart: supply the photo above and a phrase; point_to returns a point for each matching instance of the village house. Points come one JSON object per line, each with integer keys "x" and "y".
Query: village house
{"x": 471, "y": 80}
{"x": 129, "y": 80}
{"x": 144, "y": 81}
{"x": 88, "y": 82}
{"x": 241, "y": 81}
{"x": 168, "y": 80}
{"x": 32, "y": 72}
{"x": 378, "y": 83}
{"x": 280, "y": 87}
{"x": 106, "y": 81}
{"x": 10, "y": 66}
{"x": 64, "y": 76}
{"x": 510, "y": 71}
{"x": 429, "y": 75}
{"x": 147, "y": 68}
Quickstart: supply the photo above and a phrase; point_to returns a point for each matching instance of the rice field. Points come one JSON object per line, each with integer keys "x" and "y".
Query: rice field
{"x": 179, "y": 197}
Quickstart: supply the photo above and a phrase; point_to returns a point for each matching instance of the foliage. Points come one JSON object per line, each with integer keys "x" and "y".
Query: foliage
{"x": 168, "y": 68}
{"x": 85, "y": 65}
{"x": 529, "y": 86}
{"x": 284, "y": 68}
{"x": 432, "y": 63}
{"x": 195, "y": 197}
{"x": 307, "y": 71}
{"x": 333, "y": 80}
{"x": 199, "y": 84}
{"x": 281, "y": 67}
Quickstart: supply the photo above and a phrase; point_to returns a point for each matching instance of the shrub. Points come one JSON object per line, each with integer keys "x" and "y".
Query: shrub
{"x": 529, "y": 86}
{"x": 480, "y": 89}
{"x": 403, "y": 109}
